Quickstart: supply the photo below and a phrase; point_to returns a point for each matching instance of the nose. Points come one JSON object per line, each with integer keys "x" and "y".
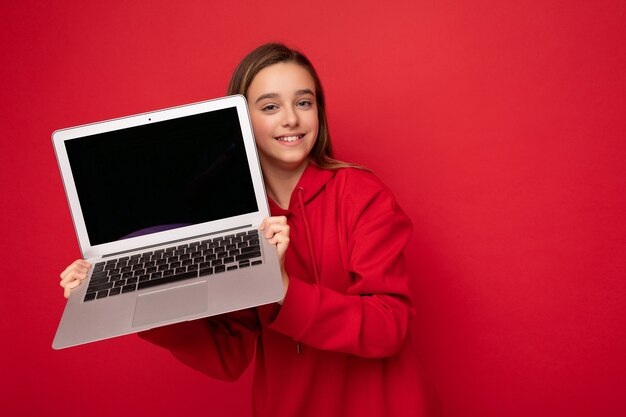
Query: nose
{"x": 290, "y": 117}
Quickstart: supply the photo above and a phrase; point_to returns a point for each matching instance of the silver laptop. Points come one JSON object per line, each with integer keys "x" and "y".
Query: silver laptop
{"x": 166, "y": 207}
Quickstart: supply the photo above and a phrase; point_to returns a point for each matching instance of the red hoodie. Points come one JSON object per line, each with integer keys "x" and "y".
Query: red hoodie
{"x": 338, "y": 346}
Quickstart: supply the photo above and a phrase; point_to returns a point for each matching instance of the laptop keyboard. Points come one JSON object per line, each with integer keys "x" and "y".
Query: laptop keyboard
{"x": 177, "y": 263}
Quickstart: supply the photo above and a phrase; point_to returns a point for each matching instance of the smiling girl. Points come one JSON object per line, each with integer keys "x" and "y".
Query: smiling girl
{"x": 338, "y": 343}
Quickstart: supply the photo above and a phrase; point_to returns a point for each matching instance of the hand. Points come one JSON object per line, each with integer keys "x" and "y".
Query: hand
{"x": 276, "y": 231}
{"x": 73, "y": 275}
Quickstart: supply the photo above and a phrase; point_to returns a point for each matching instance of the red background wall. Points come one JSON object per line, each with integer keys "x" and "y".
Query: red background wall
{"x": 498, "y": 124}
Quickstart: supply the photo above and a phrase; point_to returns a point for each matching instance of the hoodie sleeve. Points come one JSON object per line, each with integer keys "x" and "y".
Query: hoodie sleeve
{"x": 221, "y": 347}
{"x": 371, "y": 318}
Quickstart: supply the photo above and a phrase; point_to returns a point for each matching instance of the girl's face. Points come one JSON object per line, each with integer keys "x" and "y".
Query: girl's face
{"x": 283, "y": 111}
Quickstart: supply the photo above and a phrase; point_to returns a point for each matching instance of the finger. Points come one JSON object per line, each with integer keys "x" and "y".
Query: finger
{"x": 73, "y": 284}
{"x": 79, "y": 264}
{"x": 77, "y": 276}
{"x": 275, "y": 220}
{"x": 276, "y": 228}
{"x": 73, "y": 273}
{"x": 279, "y": 240}
{"x": 277, "y": 231}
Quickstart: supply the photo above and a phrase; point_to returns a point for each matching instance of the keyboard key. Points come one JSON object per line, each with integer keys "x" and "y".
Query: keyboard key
{"x": 90, "y": 296}
{"x": 251, "y": 249}
{"x": 99, "y": 287}
{"x": 248, "y": 255}
{"x": 206, "y": 271}
{"x": 102, "y": 294}
{"x": 114, "y": 291}
{"x": 129, "y": 288}
{"x": 98, "y": 281}
{"x": 220, "y": 268}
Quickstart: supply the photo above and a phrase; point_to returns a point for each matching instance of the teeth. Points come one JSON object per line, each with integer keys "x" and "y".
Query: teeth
{"x": 288, "y": 138}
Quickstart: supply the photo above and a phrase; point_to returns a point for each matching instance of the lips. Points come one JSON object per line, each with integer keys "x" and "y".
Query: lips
{"x": 289, "y": 138}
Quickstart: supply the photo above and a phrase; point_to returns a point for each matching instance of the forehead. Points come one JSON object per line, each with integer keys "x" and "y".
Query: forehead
{"x": 285, "y": 78}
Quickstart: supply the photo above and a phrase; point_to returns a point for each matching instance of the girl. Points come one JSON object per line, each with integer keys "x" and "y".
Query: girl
{"x": 337, "y": 345}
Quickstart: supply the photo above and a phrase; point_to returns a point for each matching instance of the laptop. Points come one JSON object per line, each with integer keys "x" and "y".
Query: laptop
{"x": 166, "y": 207}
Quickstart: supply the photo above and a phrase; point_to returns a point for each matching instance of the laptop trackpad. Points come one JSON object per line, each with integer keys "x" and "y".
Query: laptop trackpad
{"x": 178, "y": 302}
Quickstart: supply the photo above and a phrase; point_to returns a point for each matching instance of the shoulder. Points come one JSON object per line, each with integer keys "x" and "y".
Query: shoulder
{"x": 362, "y": 194}
{"x": 367, "y": 205}
{"x": 361, "y": 184}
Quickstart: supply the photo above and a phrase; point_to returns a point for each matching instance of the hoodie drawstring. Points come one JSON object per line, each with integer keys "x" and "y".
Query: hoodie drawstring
{"x": 309, "y": 242}
{"x": 307, "y": 229}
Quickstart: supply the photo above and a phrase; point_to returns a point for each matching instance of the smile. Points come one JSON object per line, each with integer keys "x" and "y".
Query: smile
{"x": 289, "y": 138}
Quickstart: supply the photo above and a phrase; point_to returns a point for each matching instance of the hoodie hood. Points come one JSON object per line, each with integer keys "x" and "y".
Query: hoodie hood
{"x": 311, "y": 183}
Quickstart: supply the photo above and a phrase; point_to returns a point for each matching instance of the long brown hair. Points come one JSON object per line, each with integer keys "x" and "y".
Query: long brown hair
{"x": 321, "y": 154}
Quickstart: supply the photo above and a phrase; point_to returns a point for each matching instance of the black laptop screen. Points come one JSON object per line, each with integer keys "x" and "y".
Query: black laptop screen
{"x": 162, "y": 176}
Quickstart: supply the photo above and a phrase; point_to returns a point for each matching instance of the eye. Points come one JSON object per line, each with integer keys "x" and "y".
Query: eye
{"x": 269, "y": 107}
{"x": 305, "y": 103}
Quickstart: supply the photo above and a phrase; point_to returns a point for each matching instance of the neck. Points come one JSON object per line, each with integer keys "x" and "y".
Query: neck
{"x": 280, "y": 182}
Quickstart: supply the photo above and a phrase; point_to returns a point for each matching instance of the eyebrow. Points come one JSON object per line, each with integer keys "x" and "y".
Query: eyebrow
{"x": 274, "y": 95}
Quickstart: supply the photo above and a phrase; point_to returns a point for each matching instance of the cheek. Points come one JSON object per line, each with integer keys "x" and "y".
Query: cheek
{"x": 315, "y": 124}
{"x": 260, "y": 127}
